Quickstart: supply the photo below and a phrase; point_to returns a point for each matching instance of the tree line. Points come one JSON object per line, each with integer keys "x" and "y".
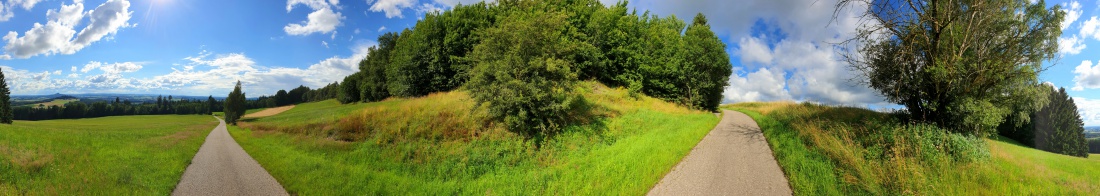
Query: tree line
{"x": 162, "y": 105}
{"x": 80, "y": 109}
{"x": 617, "y": 46}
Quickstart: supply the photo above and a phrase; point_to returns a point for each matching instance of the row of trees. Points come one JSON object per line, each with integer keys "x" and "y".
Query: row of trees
{"x": 521, "y": 58}
{"x": 78, "y": 109}
{"x": 661, "y": 57}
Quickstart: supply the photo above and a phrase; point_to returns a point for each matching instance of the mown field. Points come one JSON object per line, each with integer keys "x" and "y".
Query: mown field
{"x": 851, "y": 151}
{"x": 122, "y": 155}
{"x": 442, "y": 144}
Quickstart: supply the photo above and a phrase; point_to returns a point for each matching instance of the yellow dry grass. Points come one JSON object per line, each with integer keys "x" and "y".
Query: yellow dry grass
{"x": 269, "y": 112}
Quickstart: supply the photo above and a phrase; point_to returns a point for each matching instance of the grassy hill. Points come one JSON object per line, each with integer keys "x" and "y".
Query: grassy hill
{"x": 851, "y": 151}
{"x": 122, "y": 155}
{"x": 441, "y": 144}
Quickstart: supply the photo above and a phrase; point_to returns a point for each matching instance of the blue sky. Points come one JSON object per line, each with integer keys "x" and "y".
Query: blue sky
{"x": 780, "y": 49}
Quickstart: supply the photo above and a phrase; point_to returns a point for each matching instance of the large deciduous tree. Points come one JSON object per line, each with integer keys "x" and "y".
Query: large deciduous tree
{"x": 706, "y": 66}
{"x": 234, "y": 105}
{"x": 6, "y": 116}
{"x": 964, "y": 65}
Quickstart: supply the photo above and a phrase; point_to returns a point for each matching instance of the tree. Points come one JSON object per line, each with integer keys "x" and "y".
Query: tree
{"x": 211, "y": 105}
{"x": 1058, "y": 127}
{"x": 281, "y": 98}
{"x": 6, "y": 116}
{"x": 706, "y": 68}
{"x": 524, "y": 75}
{"x": 963, "y": 65}
{"x": 373, "y": 86}
{"x": 234, "y": 104}
{"x": 349, "y": 91}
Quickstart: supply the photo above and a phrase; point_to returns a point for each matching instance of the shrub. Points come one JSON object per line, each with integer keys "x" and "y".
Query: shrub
{"x": 523, "y": 75}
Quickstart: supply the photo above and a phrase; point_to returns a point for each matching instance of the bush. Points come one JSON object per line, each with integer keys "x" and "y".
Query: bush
{"x": 523, "y": 75}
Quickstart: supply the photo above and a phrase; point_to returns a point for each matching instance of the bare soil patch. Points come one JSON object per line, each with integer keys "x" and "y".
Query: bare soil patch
{"x": 269, "y": 112}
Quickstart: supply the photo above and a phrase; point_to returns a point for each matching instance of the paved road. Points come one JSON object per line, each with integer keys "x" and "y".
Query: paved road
{"x": 221, "y": 167}
{"x": 733, "y": 159}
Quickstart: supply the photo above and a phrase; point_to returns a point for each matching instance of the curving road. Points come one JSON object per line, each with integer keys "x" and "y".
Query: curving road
{"x": 221, "y": 167}
{"x": 733, "y": 159}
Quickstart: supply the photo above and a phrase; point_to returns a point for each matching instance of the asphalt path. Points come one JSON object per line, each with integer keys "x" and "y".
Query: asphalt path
{"x": 222, "y": 167}
{"x": 733, "y": 159}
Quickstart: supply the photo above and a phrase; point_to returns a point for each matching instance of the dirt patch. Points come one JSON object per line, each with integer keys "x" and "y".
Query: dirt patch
{"x": 269, "y": 112}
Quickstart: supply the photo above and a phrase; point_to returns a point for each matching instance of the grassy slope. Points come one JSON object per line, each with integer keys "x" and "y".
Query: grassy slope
{"x": 121, "y": 155}
{"x": 822, "y": 161}
{"x": 439, "y": 144}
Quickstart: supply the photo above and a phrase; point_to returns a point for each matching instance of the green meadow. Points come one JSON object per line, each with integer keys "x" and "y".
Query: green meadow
{"x": 122, "y": 155}
{"x": 442, "y": 144}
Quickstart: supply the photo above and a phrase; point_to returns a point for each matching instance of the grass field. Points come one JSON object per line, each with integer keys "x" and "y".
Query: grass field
{"x": 850, "y": 151}
{"x": 121, "y": 155}
{"x": 56, "y": 102}
{"x": 442, "y": 145}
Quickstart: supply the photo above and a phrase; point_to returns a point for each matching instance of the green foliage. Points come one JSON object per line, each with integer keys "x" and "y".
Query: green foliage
{"x": 349, "y": 92}
{"x": 524, "y": 74}
{"x": 946, "y": 70}
{"x": 6, "y": 115}
{"x": 706, "y": 66}
{"x": 234, "y": 105}
{"x": 373, "y": 68}
{"x": 1094, "y": 145}
{"x": 1057, "y": 127}
{"x": 419, "y": 65}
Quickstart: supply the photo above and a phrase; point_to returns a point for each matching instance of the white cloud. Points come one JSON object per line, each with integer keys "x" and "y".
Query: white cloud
{"x": 1073, "y": 11}
{"x": 1089, "y": 109}
{"x": 380, "y": 29}
{"x": 1086, "y": 76}
{"x": 322, "y": 20}
{"x": 357, "y": 30}
{"x": 73, "y": 69}
{"x": 428, "y": 8}
{"x": 392, "y": 8}
{"x": 762, "y": 85}
{"x": 1091, "y": 28}
{"x": 324, "y": 43}
{"x": 753, "y": 50}
{"x": 58, "y": 35}
{"x": 1071, "y": 45}
{"x": 6, "y": 10}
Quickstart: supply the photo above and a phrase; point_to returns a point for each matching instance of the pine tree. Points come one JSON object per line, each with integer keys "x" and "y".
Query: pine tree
{"x": 1059, "y": 128}
{"x": 5, "y": 101}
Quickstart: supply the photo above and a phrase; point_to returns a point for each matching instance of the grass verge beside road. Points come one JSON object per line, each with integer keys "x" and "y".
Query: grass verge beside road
{"x": 851, "y": 151}
{"x": 120, "y": 155}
